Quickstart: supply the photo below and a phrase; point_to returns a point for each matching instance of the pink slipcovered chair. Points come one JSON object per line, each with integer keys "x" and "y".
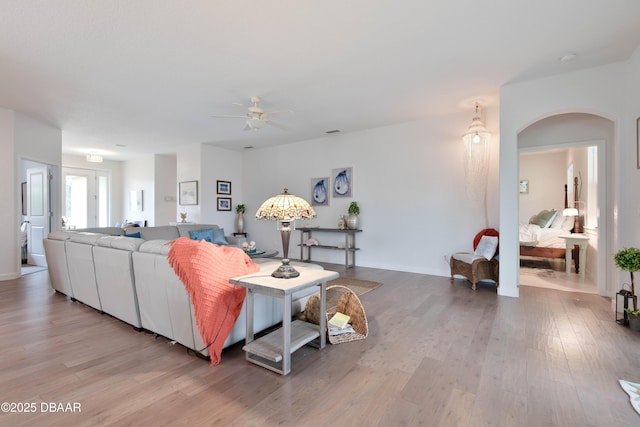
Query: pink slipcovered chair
{"x": 482, "y": 264}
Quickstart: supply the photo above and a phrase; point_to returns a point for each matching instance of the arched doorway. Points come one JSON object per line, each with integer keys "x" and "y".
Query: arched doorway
{"x": 567, "y": 133}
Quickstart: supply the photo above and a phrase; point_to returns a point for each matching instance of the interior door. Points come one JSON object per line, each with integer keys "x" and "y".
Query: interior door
{"x": 38, "y": 214}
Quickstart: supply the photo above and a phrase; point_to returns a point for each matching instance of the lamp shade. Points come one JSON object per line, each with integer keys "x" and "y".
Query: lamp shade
{"x": 477, "y": 131}
{"x": 285, "y": 207}
{"x": 570, "y": 212}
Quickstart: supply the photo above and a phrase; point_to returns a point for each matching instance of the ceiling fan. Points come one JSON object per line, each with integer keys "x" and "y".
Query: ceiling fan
{"x": 255, "y": 118}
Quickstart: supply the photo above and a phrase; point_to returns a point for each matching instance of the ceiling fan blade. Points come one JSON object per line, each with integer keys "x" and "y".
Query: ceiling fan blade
{"x": 278, "y": 125}
{"x": 222, "y": 116}
{"x": 271, "y": 113}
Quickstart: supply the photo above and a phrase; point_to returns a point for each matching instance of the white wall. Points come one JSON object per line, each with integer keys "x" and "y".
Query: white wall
{"x": 9, "y": 188}
{"x": 139, "y": 174}
{"x": 218, "y": 164}
{"x": 21, "y": 138}
{"x": 547, "y": 176}
{"x": 166, "y": 199}
{"x": 407, "y": 178}
{"x": 188, "y": 169}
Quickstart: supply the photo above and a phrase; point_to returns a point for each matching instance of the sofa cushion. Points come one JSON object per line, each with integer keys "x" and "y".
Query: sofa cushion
{"x": 111, "y": 231}
{"x": 120, "y": 242}
{"x": 162, "y": 232}
{"x": 160, "y": 247}
{"x": 84, "y": 237}
{"x": 136, "y": 235}
{"x": 59, "y": 235}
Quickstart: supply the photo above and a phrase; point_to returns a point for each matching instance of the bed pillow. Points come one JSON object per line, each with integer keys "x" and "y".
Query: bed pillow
{"x": 487, "y": 247}
{"x": 544, "y": 218}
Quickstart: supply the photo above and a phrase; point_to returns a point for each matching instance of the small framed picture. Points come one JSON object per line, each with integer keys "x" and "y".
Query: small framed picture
{"x": 224, "y": 187}
{"x": 320, "y": 191}
{"x": 135, "y": 200}
{"x": 224, "y": 203}
{"x": 524, "y": 186}
{"x": 188, "y": 193}
{"x": 342, "y": 179}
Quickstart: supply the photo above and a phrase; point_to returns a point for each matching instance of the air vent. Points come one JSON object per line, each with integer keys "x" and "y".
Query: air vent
{"x": 248, "y": 147}
{"x": 333, "y": 131}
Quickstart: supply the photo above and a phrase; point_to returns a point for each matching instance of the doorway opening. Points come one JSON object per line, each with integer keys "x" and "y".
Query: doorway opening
{"x": 555, "y": 152}
{"x": 85, "y": 198}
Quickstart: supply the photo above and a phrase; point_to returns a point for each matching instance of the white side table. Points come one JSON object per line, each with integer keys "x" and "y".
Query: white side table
{"x": 273, "y": 351}
{"x": 582, "y": 241}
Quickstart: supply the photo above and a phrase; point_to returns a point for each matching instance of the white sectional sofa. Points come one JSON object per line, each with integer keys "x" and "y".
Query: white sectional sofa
{"x": 129, "y": 278}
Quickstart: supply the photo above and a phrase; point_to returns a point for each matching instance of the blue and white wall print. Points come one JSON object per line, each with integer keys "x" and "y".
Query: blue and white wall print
{"x": 342, "y": 182}
{"x": 320, "y": 191}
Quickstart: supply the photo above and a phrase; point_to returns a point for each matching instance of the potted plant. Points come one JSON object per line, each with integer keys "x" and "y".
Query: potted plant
{"x": 240, "y": 218}
{"x": 353, "y": 219}
{"x": 628, "y": 259}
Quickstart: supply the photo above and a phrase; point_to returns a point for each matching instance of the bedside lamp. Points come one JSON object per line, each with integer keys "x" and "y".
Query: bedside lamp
{"x": 285, "y": 208}
{"x": 571, "y": 212}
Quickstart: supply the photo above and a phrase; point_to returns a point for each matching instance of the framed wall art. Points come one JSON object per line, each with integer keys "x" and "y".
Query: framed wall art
{"x": 320, "y": 191}
{"x": 224, "y": 203}
{"x": 342, "y": 182}
{"x": 135, "y": 200}
{"x": 224, "y": 187}
{"x": 188, "y": 193}
{"x": 524, "y": 186}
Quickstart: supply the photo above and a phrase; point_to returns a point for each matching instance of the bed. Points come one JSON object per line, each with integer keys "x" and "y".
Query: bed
{"x": 540, "y": 237}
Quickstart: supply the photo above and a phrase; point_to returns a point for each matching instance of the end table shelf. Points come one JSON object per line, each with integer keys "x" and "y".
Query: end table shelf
{"x": 270, "y": 346}
{"x": 349, "y": 243}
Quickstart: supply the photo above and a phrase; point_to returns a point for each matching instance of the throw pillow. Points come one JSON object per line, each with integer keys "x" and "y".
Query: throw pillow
{"x": 133, "y": 235}
{"x": 542, "y": 219}
{"x": 218, "y": 237}
{"x": 205, "y": 234}
{"x": 487, "y": 247}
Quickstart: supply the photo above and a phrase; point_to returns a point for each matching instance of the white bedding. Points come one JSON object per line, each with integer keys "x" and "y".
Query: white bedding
{"x": 534, "y": 235}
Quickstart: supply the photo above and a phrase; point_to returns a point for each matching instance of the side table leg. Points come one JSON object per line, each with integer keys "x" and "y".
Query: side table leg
{"x": 249, "y": 320}
{"x": 286, "y": 335}
{"x": 567, "y": 257}
{"x": 323, "y": 314}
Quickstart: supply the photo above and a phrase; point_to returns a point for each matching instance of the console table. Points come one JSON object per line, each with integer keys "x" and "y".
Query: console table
{"x": 576, "y": 239}
{"x": 349, "y": 243}
{"x": 273, "y": 351}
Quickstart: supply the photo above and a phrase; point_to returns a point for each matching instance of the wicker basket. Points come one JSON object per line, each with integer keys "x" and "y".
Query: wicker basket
{"x": 346, "y": 302}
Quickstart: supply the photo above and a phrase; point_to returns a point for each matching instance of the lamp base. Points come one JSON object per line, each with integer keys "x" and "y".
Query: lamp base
{"x": 285, "y": 271}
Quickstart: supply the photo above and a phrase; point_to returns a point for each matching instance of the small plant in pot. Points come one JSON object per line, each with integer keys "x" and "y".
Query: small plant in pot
{"x": 628, "y": 259}
{"x": 353, "y": 219}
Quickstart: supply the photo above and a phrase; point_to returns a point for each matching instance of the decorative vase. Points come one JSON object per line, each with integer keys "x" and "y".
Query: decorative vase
{"x": 240, "y": 223}
{"x": 634, "y": 322}
{"x": 352, "y": 221}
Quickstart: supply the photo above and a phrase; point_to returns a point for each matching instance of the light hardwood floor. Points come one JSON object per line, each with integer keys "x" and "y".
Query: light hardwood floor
{"x": 438, "y": 354}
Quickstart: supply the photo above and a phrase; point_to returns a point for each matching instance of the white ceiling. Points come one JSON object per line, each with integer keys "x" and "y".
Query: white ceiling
{"x": 147, "y": 74}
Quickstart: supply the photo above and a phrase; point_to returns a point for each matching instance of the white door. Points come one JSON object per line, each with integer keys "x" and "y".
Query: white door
{"x": 38, "y": 214}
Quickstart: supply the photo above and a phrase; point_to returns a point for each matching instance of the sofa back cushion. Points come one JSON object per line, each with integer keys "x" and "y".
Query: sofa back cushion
{"x": 163, "y": 232}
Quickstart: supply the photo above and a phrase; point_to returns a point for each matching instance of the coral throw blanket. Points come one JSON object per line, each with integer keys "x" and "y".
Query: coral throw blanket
{"x": 205, "y": 270}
